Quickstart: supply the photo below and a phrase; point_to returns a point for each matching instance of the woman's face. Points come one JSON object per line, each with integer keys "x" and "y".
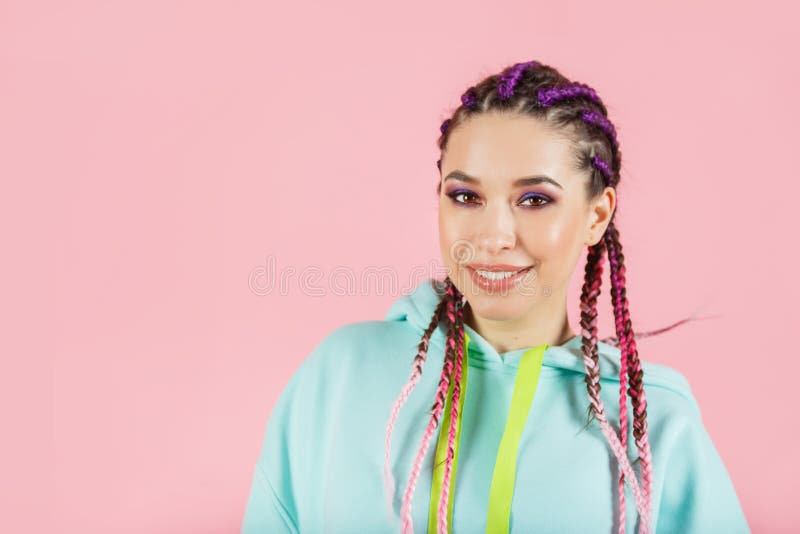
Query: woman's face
{"x": 510, "y": 196}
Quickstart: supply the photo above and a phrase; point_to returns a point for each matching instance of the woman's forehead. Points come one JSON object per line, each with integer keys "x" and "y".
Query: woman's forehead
{"x": 503, "y": 148}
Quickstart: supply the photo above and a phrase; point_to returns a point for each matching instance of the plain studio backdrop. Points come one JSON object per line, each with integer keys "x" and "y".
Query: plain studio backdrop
{"x": 158, "y": 158}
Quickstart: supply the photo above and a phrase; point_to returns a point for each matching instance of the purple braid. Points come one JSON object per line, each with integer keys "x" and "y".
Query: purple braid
{"x": 509, "y": 79}
{"x": 603, "y": 167}
{"x": 598, "y": 119}
{"x": 548, "y": 96}
{"x": 469, "y": 99}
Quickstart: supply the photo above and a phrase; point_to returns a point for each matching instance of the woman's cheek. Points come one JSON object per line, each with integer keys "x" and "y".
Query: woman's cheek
{"x": 453, "y": 246}
{"x": 447, "y": 239}
{"x": 555, "y": 248}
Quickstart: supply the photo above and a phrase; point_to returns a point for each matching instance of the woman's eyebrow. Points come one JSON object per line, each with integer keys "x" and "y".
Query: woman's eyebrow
{"x": 528, "y": 180}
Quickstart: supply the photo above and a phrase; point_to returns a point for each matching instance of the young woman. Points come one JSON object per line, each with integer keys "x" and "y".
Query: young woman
{"x": 526, "y": 439}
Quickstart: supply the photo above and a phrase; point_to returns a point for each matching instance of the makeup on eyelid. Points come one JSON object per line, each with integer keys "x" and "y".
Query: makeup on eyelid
{"x": 525, "y": 197}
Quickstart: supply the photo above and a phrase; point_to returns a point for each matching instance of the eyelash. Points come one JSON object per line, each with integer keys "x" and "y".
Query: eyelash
{"x": 459, "y": 192}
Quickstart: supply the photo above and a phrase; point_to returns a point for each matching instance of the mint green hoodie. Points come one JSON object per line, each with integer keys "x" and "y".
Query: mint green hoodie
{"x": 321, "y": 464}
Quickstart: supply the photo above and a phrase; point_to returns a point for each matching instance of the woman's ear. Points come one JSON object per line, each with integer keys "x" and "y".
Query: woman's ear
{"x": 601, "y": 208}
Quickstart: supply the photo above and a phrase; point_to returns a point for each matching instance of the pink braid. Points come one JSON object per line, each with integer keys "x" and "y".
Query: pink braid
{"x": 416, "y": 373}
{"x": 451, "y": 439}
{"x": 623, "y": 402}
{"x": 438, "y": 407}
{"x": 610, "y": 435}
{"x": 591, "y": 289}
{"x": 635, "y": 372}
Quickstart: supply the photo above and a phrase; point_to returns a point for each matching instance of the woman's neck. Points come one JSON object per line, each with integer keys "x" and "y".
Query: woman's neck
{"x": 506, "y": 336}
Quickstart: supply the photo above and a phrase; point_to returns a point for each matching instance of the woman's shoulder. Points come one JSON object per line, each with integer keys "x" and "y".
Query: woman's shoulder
{"x": 361, "y": 344}
{"x": 356, "y": 336}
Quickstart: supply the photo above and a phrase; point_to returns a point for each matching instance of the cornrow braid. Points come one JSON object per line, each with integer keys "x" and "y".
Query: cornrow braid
{"x": 509, "y": 79}
{"x": 436, "y": 409}
{"x": 469, "y": 99}
{"x": 548, "y": 96}
{"x": 603, "y": 166}
{"x": 416, "y": 373}
{"x": 598, "y": 119}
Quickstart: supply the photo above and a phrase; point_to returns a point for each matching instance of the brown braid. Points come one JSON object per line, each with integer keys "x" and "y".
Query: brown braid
{"x": 589, "y": 294}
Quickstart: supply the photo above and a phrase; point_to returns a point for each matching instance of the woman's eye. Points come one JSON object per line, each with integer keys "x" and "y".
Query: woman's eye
{"x": 456, "y": 194}
{"x": 539, "y": 200}
{"x": 463, "y": 197}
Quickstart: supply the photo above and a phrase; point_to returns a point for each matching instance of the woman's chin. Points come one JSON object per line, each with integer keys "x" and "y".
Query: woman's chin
{"x": 497, "y": 308}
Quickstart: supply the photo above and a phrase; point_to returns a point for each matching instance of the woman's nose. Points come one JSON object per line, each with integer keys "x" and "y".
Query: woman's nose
{"x": 496, "y": 231}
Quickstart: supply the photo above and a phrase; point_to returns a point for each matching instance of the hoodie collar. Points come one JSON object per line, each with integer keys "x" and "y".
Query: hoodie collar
{"x": 417, "y": 307}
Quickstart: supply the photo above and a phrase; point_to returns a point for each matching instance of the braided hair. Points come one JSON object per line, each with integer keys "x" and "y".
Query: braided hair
{"x": 538, "y": 90}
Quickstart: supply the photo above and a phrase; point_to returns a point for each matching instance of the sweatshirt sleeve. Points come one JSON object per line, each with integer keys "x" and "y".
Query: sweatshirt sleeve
{"x": 271, "y": 506}
{"x": 266, "y": 512}
{"x": 698, "y": 495}
{"x": 279, "y": 484}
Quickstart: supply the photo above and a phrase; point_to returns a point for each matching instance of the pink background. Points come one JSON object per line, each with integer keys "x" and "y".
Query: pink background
{"x": 154, "y": 155}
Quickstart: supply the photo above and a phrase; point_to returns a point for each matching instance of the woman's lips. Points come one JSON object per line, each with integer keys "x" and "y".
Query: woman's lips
{"x": 502, "y": 284}
{"x": 497, "y": 267}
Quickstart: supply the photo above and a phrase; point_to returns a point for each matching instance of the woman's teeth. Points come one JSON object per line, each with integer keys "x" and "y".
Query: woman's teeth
{"x": 493, "y": 275}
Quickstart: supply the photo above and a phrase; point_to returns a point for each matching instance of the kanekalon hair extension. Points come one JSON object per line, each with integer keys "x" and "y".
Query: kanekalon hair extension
{"x": 629, "y": 354}
{"x": 457, "y": 319}
{"x": 416, "y": 372}
{"x": 623, "y": 369}
{"x": 591, "y": 361}
{"x": 438, "y": 407}
{"x": 537, "y": 90}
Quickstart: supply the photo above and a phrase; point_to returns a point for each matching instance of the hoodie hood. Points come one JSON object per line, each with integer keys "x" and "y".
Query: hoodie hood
{"x": 416, "y": 310}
